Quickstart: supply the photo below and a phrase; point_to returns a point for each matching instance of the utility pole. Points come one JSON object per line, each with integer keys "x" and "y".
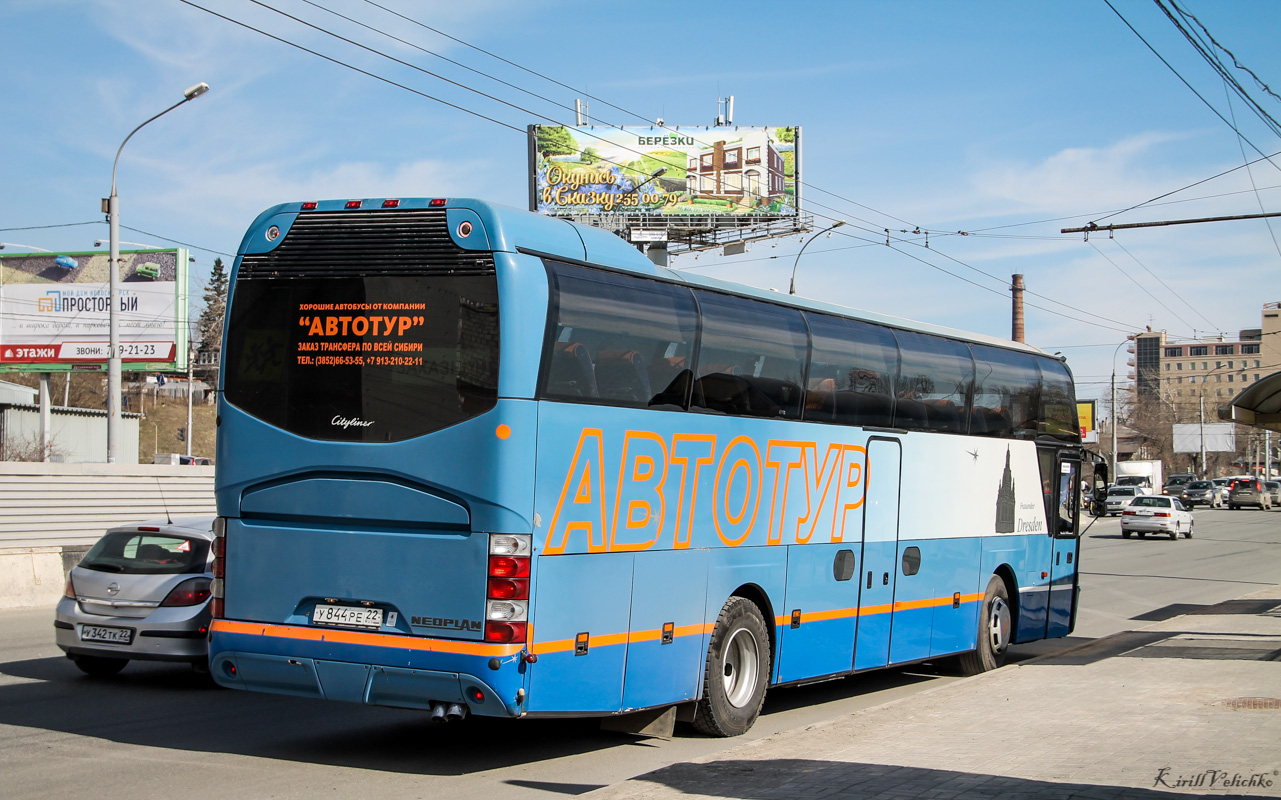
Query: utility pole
{"x": 1204, "y": 473}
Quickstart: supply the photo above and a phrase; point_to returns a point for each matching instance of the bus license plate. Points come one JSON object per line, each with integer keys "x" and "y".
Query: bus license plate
{"x": 101, "y": 633}
{"x": 350, "y": 616}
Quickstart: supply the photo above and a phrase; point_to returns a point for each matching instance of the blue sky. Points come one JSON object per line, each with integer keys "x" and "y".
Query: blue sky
{"x": 1006, "y": 120}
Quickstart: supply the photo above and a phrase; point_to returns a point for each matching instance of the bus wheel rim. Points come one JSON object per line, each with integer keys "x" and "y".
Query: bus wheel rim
{"x": 740, "y": 668}
{"x": 999, "y": 625}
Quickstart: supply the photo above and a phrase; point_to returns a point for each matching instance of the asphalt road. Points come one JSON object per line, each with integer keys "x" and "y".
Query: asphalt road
{"x": 161, "y": 731}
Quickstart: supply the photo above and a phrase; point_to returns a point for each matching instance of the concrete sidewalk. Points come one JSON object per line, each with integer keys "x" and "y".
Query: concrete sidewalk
{"x": 1187, "y": 707}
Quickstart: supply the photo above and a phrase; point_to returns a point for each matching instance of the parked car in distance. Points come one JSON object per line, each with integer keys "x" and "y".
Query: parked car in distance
{"x": 141, "y": 592}
{"x": 1249, "y": 492}
{"x": 1200, "y": 493}
{"x": 1273, "y": 488}
{"x": 1119, "y": 497}
{"x": 1156, "y": 514}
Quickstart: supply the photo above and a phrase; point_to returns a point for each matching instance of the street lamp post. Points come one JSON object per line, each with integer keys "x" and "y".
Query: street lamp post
{"x": 113, "y": 269}
{"x": 1127, "y": 340}
{"x": 792, "y": 288}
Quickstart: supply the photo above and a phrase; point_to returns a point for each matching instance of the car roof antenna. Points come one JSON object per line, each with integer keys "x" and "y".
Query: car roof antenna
{"x": 163, "y": 503}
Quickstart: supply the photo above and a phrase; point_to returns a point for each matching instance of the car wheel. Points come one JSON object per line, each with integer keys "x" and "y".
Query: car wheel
{"x": 1188, "y": 533}
{"x": 996, "y": 624}
{"x": 1174, "y": 534}
{"x": 99, "y": 666}
{"x": 1125, "y": 534}
{"x": 738, "y": 666}
{"x": 1143, "y": 535}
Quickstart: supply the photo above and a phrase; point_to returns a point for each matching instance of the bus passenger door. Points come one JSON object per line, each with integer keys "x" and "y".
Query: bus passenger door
{"x": 1064, "y": 520}
{"x": 880, "y": 553}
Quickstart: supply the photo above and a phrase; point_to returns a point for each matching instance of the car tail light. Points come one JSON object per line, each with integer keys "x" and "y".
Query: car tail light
{"x": 70, "y": 591}
{"x": 1129, "y": 513}
{"x": 507, "y": 590}
{"x": 191, "y": 592}
{"x": 219, "y": 548}
{"x": 1161, "y": 514}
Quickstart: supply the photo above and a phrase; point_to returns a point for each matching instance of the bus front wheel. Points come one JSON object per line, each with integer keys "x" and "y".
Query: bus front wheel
{"x": 738, "y": 665}
{"x": 995, "y": 628}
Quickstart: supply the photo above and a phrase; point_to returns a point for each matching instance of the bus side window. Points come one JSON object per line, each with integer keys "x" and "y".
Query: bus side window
{"x": 934, "y": 383}
{"x": 856, "y": 364}
{"x": 1057, "y": 411}
{"x": 752, "y": 358}
{"x": 620, "y": 329}
{"x": 1007, "y": 392}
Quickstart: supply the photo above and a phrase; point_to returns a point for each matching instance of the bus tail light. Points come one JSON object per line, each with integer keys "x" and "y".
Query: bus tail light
{"x": 219, "y": 569}
{"x": 436, "y": 202}
{"x": 507, "y": 589}
{"x": 310, "y": 205}
{"x": 391, "y": 204}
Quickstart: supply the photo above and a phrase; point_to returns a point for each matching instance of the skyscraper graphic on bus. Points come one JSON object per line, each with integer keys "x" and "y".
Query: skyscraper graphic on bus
{"x": 1005, "y": 499}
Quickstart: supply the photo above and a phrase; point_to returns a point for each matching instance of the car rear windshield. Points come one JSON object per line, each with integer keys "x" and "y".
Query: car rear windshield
{"x": 1200, "y": 485}
{"x": 1122, "y": 491}
{"x": 146, "y": 553}
{"x": 1147, "y": 500}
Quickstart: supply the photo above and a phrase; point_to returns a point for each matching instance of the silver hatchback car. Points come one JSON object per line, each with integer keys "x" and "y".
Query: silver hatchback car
{"x": 141, "y": 592}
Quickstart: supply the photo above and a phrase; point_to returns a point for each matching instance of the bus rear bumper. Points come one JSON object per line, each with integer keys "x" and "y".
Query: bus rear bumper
{"x": 298, "y": 661}
{"x": 358, "y": 683}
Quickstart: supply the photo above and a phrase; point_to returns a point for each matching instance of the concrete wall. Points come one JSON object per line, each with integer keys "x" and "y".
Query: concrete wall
{"x": 51, "y": 513}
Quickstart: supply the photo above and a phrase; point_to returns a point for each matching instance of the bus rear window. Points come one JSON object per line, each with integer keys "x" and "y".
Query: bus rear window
{"x": 375, "y": 358}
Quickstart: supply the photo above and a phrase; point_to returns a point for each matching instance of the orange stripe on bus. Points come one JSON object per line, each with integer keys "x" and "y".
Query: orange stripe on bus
{"x": 867, "y": 611}
{"x": 364, "y": 638}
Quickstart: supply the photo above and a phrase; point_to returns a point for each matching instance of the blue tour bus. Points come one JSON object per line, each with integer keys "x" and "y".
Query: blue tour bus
{"x": 477, "y": 460}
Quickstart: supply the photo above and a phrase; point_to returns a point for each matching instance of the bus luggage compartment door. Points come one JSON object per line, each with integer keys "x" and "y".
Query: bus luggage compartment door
{"x": 581, "y": 611}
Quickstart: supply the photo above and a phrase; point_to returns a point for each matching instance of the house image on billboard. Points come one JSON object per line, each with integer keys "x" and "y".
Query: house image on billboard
{"x": 745, "y": 172}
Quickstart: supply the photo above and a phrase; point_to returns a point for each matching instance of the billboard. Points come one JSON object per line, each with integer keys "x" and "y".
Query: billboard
{"x": 730, "y": 172}
{"x": 54, "y": 311}
{"x": 1085, "y": 412}
{"x": 1220, "y": 437}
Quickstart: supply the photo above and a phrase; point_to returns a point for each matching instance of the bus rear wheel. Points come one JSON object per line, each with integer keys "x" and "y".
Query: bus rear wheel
{"x": 995, "y": 627}
{"x": 737, "y": 671}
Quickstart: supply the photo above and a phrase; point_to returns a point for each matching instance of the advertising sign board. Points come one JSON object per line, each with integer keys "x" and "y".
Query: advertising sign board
{"x": 1218, "y": 437}
{"x": 1085, "y": 411}
{"x": 730, "y": 172}
{"x": 54, "y": 311}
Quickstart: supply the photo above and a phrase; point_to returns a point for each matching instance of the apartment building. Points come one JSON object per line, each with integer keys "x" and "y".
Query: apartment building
{"x": 1182, "y": 372}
